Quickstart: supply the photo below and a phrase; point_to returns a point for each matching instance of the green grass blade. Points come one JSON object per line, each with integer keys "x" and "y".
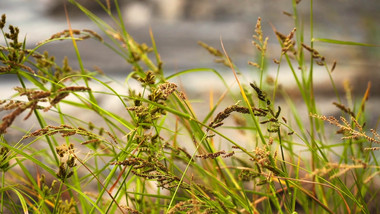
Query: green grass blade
{"x": 198, "y": 70}
{"x": 22, "y": 200}
{"x": 341, "y": 42}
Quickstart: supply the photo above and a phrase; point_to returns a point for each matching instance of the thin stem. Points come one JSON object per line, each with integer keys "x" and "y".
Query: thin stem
{"x": 2, "y": 192}
{"x": 58, "y": 197}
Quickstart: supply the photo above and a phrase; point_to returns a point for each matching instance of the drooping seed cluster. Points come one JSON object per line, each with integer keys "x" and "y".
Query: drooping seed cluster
{"x": 349, "y": 131}
{"x": 145, "y": 115}
{"x": 220, "y": 58}
{"x": 267, "y": 112}
{"x": 82, "y": 35}
{"x": 216, "y": 154}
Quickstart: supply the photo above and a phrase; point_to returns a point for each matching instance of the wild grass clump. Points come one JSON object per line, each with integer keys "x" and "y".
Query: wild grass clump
{"x": 158, "y": 156}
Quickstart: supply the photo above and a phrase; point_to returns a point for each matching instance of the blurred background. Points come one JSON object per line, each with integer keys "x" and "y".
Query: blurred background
{"x": 178, "y": 25}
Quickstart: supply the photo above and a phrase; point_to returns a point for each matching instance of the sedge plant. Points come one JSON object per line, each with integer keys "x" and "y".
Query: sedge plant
{"x": 156, "y": 155}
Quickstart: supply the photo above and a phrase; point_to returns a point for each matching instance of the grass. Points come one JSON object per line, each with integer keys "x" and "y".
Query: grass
{"x": 158, "y": 156}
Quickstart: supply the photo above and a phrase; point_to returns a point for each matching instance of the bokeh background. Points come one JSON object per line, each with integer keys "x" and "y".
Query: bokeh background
{"x": 178, "y": 25}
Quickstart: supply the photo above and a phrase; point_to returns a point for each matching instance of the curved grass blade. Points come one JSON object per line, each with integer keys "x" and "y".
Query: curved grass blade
{"x": 341, "y": 42}
{"x": 199, "y": 70}
{"x": 22, "y": 201}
